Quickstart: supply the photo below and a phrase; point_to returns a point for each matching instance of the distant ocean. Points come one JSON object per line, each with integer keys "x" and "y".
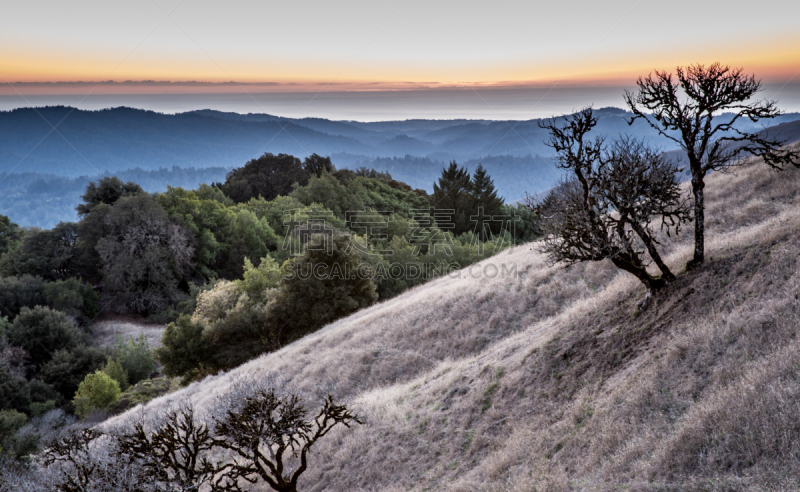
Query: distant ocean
{"x": 488, "y": 103}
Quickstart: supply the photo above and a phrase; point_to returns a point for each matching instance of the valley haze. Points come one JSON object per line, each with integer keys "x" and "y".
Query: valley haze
{"x": 43, "y": 172}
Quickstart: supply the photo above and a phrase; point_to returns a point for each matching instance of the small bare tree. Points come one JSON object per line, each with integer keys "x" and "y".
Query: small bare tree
{"x": 175, "y": 452}
{"x": 689, "y": 111}
{"x": 72, "y": 452}
{"x": 261, "y": 432}
{"x": 266, "y": 428}
{"x": 605, "y": 208}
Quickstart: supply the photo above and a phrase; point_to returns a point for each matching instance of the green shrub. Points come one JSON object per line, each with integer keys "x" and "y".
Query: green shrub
{"x": 67, "y": 368}
{"x": 96, "y": 392}
{"x": 258, "y": 281}
{"x": 42, "y": 332}
{"x": 5, "y": 326}
{"x": 41, "y": 394}
{"x": 15, "y": 393}
{"x": 141, "y": 393}
{"x": 39, "y": 409}
{"x": 274, "y": 211}
{"x": 246, "y": 332}
{"x": 341, "y": 284}
{"x": 10, "y": 422}
{"x": 72, "y": 297}
{"x": 251, "y": 237}
{"x": 19, "y": 292}
{"x": 135, "y": 357}
{"x": 184, "y": 350}
{"x": 10, "y": 443}
{"x": 118, "y": 373}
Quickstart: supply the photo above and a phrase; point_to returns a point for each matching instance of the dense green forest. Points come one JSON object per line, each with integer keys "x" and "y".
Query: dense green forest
{"x": 236, "y": 268}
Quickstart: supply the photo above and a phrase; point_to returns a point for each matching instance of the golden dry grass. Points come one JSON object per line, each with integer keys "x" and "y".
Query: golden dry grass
{"x": 552, "y": 381}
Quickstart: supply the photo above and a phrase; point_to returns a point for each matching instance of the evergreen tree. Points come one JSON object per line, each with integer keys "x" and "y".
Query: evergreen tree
{"x": 47, "y": 254}
{"x": 116, "y": 372}
{"x": 316, "y": 165}
{"x": 107, "y": 190}
{"x": 67, "y": 368}
{"x": 485, "y": 204}
{"x": 42, "y": 332}
{"x": 321, "y": 286}
{"x": 144, "y": 256}
{"x": 453, "y": 194}
{"x": 268, "y": 176}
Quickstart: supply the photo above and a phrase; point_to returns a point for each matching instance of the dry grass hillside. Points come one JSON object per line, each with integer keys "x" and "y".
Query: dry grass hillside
{"x": 553, "y": 381}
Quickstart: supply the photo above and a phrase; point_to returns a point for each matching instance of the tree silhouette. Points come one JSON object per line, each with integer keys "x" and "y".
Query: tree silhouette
{"x": 270, "y": 435}
{"x": 686, "y": 109}
{"x": 485, "y": 202}
{"x": 452, "y": 197}
{"x": 175, "y": 451}
{"x": 605, "y": 208}
{"x": 269, "y": 176}
{"x": 72, "y": 451}
{"x": 106, "y": 190}
{"x": 259, "y": 432}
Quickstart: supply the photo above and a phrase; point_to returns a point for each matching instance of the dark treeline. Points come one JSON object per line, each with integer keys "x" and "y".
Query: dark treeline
{"x": 514, "y": 176}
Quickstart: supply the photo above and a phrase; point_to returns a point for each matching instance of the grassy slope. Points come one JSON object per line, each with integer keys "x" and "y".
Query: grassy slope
{"x": 553, "y": 382}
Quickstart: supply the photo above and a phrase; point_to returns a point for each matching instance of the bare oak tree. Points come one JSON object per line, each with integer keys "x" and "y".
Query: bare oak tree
{"x": 688, "y": 109}
{"x": 175, "y": 452}
{"x": 84, "y": 460}
{"x": 270, "y": 434}
{"x": 74, "y": 455}
{"x": 606, "y": 207}
{"x": 261, "y": 432}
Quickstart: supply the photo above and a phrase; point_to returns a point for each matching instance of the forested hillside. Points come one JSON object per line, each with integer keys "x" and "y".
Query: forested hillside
{"x": 564, "y": 384}
{"x": 225, "y": 267}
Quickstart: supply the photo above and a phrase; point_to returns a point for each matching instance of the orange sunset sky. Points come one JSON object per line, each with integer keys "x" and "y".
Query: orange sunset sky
{"x": 157, "y": 46}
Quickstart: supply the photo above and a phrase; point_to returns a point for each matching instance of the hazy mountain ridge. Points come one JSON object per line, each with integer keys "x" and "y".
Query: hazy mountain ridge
{"x": 123, "y": 138}
{"x": 114, "y": 141}
{"x": 44, "y": 200}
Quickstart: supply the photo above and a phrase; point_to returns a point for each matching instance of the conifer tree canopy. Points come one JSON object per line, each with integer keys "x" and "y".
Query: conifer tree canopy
{"x": 267, "y": 177}
{"x": 485, "y": 203}
{"x": 451, "y": 198}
